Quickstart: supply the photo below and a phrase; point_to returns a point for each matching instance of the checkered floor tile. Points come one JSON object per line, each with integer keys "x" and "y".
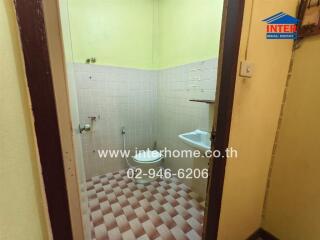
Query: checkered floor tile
{"x": 162, "y": 210}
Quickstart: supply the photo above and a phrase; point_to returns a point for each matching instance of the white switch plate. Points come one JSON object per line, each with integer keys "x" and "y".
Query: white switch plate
{"x": 246, "y": 69}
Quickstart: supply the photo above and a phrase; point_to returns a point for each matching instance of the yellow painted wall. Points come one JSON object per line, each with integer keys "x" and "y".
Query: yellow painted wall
{"x": 256, "y": 110}
{"x": 147, "y": 34}
{"x": 189, "y": 31}
{"x": 116, "y": 32}
{"x": 21, "y": 207}
{"x": 293, "y": 203}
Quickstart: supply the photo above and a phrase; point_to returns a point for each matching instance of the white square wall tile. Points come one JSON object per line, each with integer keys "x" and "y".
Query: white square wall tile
{"x": 152, "y": 105}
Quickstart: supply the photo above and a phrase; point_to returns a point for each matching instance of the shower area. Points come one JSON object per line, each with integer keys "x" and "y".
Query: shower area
{"x": 142, "y": 77}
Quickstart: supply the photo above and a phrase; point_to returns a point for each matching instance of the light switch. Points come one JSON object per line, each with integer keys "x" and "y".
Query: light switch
{"x": 246, "y": 69}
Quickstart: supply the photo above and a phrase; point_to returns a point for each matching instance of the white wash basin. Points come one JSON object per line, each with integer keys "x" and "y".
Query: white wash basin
{"x": 197, "y": 139}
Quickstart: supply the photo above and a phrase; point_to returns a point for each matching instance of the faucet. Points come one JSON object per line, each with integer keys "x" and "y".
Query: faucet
{"x": 123, "y": 130}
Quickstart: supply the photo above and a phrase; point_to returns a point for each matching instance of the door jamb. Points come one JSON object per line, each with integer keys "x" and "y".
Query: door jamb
{"x": 31, "y": 21}
{"x": 228, "y": 62}
{"x": 30, "y": 18}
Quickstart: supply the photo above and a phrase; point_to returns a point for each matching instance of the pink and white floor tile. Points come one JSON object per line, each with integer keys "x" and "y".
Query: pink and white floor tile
{"x": 162, "y": 210}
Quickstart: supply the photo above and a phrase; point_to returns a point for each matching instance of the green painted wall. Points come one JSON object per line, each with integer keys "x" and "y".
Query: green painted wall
{"x": 189, "y": 31}
{"x": 116, "y": 32}
{"x": 147, "y": 34}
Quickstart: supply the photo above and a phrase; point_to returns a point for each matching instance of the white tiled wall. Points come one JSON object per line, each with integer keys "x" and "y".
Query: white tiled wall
{"x": 176, "y": 114}
{"x": 176, "y": 86}
{"x": 117, "y": 97}
{"x": 152, "y": 105}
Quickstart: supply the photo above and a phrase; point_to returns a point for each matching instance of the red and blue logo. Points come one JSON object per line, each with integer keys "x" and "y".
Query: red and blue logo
{"x": 282, "y": 26}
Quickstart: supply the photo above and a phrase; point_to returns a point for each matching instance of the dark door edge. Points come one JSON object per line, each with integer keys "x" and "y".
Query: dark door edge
{"x": 230, "y": 44}
{"x": 33, "y": 37}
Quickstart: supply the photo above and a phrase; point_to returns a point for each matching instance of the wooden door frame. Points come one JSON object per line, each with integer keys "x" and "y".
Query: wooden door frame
{"x": 39, "y": 72}
{"x": 231, "y": 28}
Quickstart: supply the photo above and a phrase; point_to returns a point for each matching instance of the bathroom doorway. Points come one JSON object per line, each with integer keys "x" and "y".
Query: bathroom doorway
{"x": 103, "y": 200}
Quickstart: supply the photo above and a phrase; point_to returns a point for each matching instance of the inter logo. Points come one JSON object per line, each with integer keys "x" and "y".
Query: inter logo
{"x": 281, "y": 26}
